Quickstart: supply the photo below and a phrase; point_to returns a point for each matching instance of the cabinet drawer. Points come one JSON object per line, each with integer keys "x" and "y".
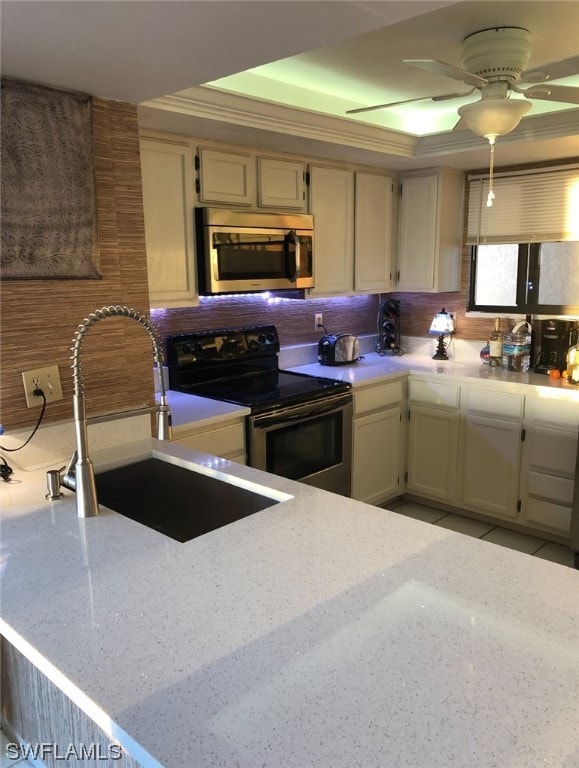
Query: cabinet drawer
{"x": 544, "y": 514}
{"x": 433, "y": 393}
{"x": 223, "y": 441}
{"x": 495, "y": 403}
{"x": 554, "y": 412}
{"x": 551, "y": 487}
{"x": 553, "y": 449}
{"x": 377, "y": 398}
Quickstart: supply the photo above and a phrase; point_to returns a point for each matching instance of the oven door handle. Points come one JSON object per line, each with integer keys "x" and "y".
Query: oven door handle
{"x": 292, "y": 270}
{"x": 261, "y": 422}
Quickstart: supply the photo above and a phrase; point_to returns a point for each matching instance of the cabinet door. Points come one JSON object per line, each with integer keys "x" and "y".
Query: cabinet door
{"x": 376, "y": 456}
{"x": 227, "y": 441}
{"x": 167, "y": 178}
{"x": 225, "y": 177}
{"x": 332, "y": 204}
{"x": 373, "y": 233}
{"x": 491, "y": 462}
{"x": 432, "y": 453}
{"x": 417, "y": 236}
{"x": 429, "y": 238}
{"x": 281, "y": 184}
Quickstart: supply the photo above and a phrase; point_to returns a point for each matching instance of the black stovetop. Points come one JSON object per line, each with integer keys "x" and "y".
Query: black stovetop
{"x": 241, "y": 367}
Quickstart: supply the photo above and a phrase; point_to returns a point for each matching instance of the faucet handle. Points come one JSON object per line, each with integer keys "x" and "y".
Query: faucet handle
{"x": 68, "y": 480}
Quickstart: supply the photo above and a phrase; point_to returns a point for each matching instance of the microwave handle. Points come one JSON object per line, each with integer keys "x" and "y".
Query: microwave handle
{"x": 292, "y": 272}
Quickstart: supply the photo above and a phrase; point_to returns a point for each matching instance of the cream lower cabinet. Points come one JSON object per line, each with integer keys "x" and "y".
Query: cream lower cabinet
{"x": 167, "y": 179}
{"x": 432, "y": 453}
{"x": 500, "y": 453}
{"x": 224, "y": 439}
{"x": 433, "y": 428}
{"x": 490, "y": 456}
{"x": 490, "y": 452}
{"x": 378, "y": 442}
{"x": 549, "y": 458}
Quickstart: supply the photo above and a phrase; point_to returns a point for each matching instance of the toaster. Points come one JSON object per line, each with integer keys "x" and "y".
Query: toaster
{"x": 338, "y": 349}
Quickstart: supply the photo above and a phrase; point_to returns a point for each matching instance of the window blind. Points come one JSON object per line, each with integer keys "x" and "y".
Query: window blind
{"x": 530, "y": 206}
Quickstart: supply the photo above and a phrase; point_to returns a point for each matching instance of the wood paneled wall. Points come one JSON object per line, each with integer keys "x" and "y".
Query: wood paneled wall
{"x": 40, "y": 317}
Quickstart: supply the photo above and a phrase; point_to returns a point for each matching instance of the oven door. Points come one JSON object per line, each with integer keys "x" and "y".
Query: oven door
{"x": 310, "y": 442}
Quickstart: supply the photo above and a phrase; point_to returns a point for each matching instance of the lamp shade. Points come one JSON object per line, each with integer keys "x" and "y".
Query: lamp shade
{"x": 492, "y": 117}
{"x": 442, "y": 323}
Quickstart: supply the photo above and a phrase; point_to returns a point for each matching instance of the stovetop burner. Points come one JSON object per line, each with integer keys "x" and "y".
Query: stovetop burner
{"x": 241, "y": 366}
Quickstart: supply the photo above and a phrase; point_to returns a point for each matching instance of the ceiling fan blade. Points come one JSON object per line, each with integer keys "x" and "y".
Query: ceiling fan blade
{"x": 384, "y": 106}
{"x": 447, "y": 96}
{"x": 443, "y": 97}
{"x": 448, "y": 70}
{"x": 564, "y": 94}
{"x": 552, "y": 71}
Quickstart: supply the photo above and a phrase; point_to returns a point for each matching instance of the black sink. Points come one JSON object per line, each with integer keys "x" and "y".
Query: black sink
{"x": 178, "y": 502}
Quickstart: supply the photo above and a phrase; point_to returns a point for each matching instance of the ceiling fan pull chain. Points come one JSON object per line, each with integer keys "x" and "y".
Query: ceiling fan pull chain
{"x": 491, "y": 194}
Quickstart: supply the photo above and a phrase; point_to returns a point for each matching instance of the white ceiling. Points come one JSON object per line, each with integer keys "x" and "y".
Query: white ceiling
{"x": 159, "y": 53}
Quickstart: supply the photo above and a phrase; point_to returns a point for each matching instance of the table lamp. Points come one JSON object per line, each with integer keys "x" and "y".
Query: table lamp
{"x": 442, "y": 325}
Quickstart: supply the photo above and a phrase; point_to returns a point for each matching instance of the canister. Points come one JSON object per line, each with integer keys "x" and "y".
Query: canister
{"x": 517, "y": 348}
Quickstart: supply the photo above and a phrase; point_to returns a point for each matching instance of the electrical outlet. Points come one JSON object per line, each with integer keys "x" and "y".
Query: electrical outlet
{"x": 318, "y": 320}
{"x": 47, "y": 379}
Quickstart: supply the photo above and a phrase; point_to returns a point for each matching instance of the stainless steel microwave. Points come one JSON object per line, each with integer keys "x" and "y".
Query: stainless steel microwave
{"x": 246, "y": 251}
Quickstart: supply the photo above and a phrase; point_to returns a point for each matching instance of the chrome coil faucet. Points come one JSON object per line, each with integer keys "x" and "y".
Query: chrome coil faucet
{"x": 79, "y": 475}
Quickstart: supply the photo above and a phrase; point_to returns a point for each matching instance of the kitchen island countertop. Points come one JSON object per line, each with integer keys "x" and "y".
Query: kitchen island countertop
{"x": 321, "y": 632}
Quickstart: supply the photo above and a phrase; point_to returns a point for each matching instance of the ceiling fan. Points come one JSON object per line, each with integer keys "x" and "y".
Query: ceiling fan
{"x": 494, "y": 62}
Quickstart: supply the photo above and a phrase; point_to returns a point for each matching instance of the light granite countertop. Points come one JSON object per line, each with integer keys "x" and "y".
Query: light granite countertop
{"x": 318, "y": 633}
{"x": 190, "y": 410}
{"x": 373, "y": 368}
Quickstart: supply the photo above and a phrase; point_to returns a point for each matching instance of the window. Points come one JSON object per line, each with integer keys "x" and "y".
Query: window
{"x": 525, "y": 278}
{"x": 525, "y": 247}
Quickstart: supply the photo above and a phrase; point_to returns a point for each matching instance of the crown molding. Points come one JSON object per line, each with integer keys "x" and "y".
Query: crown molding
{"x": 221, "y": 106}
{"x": 252, "y": 113}
{"x": 555, "y": 125}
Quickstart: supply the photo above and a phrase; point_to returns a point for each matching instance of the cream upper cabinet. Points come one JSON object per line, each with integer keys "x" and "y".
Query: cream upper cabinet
{"x": 332, "y": 205}
{"x": 167, "y": 179}
{"x": 353, "y": 231}
{"x": 226, "y": 177}
{"x": 373, "y": 233}
{"x": 281, "y": 184}
{"x": 430, "y": 234}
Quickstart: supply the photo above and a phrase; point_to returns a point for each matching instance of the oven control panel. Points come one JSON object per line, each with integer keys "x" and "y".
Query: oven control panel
{"x": 195, "y": 349}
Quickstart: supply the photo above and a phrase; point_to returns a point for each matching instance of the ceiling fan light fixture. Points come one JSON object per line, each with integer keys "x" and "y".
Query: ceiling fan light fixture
{"x": 492, "y": 117}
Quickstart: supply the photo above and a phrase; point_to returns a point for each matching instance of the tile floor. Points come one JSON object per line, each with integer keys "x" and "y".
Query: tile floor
{"x": 531, "y": 545}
